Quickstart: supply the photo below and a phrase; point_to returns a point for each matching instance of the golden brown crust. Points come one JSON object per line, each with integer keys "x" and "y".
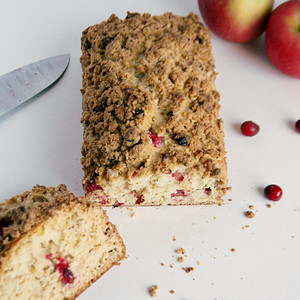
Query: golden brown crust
{"x": 149, "y": 99}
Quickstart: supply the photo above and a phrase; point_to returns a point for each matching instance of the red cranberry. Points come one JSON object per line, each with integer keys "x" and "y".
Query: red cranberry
{"x": 207, "y": 191}
{"x": 65, "y": 272}
{"x": 103, "y": 200}
{"x": 117, "y": 204}
{"x": 67, "y": 276}
{"x": 140, "y": 199}
{"x": 273, "y": 192}
{"x": 297, "y": 126}
{"x": 178, "y": 176}
{"x": 156, "y": 140}
{"x": 91, "y": 186}
{"x": 179, "y": 193}
{"x": 249, "y": 128}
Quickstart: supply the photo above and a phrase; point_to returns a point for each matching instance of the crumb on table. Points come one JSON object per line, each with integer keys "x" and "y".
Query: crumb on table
{"x": 246, "y": 226}
{"x": 180, "y": 259}
{"x": 153, "y": 290}
{"x": 180, "y": 251}
{"x": 188, "y": 269}
{"x": 249, "y": 214}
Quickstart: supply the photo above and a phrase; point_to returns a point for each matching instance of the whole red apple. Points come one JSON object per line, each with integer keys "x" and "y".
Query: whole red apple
{"x": 283, "y": 38}
{"x": 237, "y": 21}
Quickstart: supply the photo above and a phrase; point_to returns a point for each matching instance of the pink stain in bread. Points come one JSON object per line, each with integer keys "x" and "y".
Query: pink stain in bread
{"x": 103, "y": 199}
{"x": 178, "y": 176}
{"x": 179, "y": 193}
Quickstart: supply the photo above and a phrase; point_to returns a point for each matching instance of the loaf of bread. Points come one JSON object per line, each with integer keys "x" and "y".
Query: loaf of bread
{"x": 152, "y": 132}
{"x": 54, "y": 245}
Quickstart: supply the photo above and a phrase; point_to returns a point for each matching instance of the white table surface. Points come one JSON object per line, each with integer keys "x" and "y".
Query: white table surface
{"x": 41, "y": 142}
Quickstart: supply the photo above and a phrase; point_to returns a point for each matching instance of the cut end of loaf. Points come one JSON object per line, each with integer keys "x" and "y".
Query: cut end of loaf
{"x": 177, "y": 188}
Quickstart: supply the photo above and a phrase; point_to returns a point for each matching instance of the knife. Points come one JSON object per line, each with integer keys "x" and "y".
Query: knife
{"x": 23, "y": 83}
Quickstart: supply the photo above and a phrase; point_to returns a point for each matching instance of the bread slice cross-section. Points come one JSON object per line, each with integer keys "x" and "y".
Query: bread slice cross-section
{"x": 54, "y": 245}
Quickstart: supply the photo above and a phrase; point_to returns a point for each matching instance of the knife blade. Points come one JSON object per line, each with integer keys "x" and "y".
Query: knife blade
{"x": 22, "y": 84}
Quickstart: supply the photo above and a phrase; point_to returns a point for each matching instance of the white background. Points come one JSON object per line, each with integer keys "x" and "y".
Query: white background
{"x": 40, "y": 144}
